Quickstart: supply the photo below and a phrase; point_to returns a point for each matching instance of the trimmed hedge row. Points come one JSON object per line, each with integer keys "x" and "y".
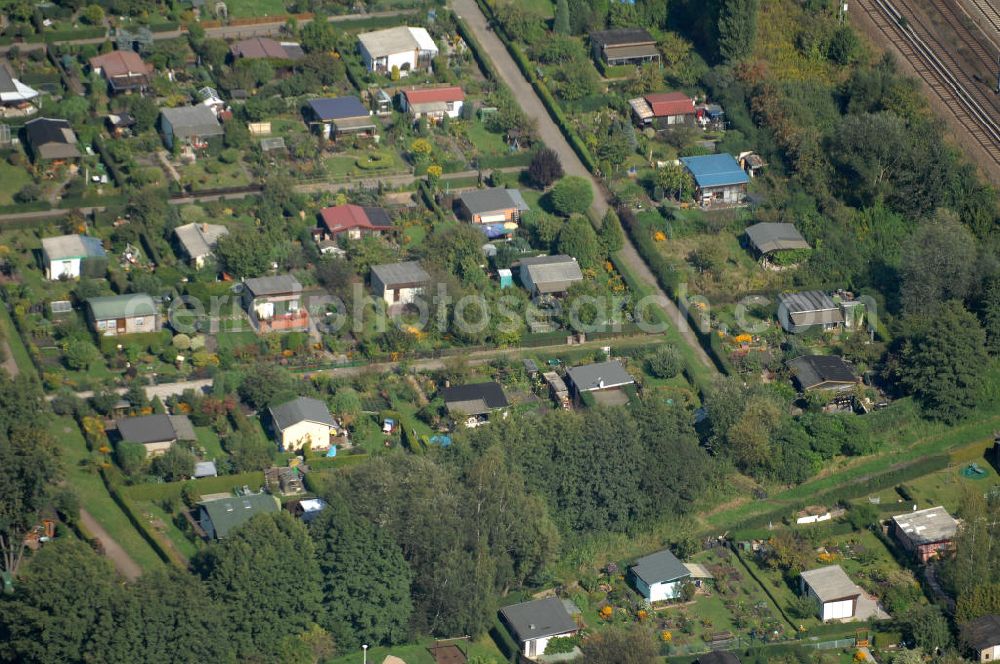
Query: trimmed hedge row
{"x": 765, "y": 587}
{"x": 205, "y": 485}
{"x": 339, "y": 461}
{"x": 542, "y": 90}
{"x": 477, "y": 50}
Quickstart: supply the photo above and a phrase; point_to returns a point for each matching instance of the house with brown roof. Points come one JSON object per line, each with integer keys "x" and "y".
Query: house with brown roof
{"x": 260, "y": 48}
{"x": 432, "y": 103}
{"x": 353, "y": 222}
{"x": 123, "y": 70}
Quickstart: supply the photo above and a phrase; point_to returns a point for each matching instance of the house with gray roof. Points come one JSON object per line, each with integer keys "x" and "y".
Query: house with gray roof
{"x": 659, "y": 576}
{"x": 797, "y": 312}
{"x": 925, "y": 533}
{"x": 624, "y": 46}
{"x": 198, "y": 241}
{"x": 533, "y": 624}
{"x": 404, "y": 48}
{"x": 549, "y": 275}
{"x": 219, "y": 517}
{"x": 189, "y": 125}
{"x": 51, "y": 139}
{"x": 155, "y": 432}
{"x": 607, "y": 376}
{"x": 492, "y": 206}
{"x": 274, "y": 304}
{"x": 475, "y": 402}
{"x": 66, "y": 256}
{"x": 822, "y": 372}
{"x": 982, "y": 638}
{"x": 14, "y": 93}
{"x": 767, "y": 238}
{"x": 399, "y": 283}
{"x": 303, "y": 421}
{"x": 115, "y": 315}
{"x": 834, "y": 592}
{"x": 334, "y": 116}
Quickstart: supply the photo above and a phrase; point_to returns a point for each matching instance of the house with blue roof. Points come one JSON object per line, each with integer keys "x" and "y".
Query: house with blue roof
{"x": 718, "y": 179}
{"x": 334, "y": 116}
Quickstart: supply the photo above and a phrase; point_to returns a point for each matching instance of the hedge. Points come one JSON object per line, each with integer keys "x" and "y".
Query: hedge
{"x": 485, "y": 64}
{"x": 428, "y": 196}
{"x": 342, "y": 460}
{"x": 766, "y": 588}
{"x": 205, "y": 485}
{"x": 139, "y": 523}
{"x": 145, "y": 339}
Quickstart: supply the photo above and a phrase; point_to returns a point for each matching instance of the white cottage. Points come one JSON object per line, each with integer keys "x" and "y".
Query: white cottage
{"x": 834, "y": 592}
{"x": 404, "y": 48}
{"x": 535, "y": 623}
{"x": 658, "y": 577}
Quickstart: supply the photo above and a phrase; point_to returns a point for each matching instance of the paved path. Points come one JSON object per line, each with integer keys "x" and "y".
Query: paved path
{"x": 119, "y": 558}
{"x": 552, "y": 137}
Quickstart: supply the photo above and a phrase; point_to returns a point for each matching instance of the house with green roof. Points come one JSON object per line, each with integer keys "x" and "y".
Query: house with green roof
{"x": 219, "y": 517}
{"x": 115, "y": 315}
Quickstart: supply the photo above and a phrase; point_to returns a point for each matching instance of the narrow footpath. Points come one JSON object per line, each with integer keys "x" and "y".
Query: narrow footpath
{"x": 553, "y": 138}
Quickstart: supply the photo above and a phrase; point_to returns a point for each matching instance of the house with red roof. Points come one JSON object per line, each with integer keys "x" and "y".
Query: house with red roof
{"x": 668, "y": 108}
{"x": 352, "y": 222}
{"x": 433, "y": 103}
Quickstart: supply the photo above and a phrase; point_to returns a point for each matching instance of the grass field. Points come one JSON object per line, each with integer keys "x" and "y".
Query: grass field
{"x": 17, "y": 349}
{"x": 255, "y": 8}
{"x": 209, "y": 440}
{"x": 12, "y": 180}
{"x": 94, "y": 495}
{"x": 167, "y": 530}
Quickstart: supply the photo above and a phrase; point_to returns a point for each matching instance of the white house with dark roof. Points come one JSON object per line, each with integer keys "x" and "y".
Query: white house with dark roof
{"x": 659, "y": 576}
{"x": 274, "y": 304}
{"x": 303, "y": 421}
{"x": 982, "y": 637}
{"x": 495, "y": 205}
{"x": 399, "y": 283}
{"x": 533, "y": 624}
{"x": 64, "y": 256}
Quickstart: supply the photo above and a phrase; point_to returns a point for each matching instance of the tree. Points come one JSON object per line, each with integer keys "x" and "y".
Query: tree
{"x": 675, "y": 181}
{"x": 266, "y": 384}
{"x": 612, "y": 236}
{"x": 80, "y": 354}
{"x": 560, "y": 25}
{"x": 545, "y": 167}
{"x": 131, "y": 457}
{"x": 572, "y": 195}
{"x": 266, "y": 574}
{"x": 319, "y": 36}
{"x": 92, "y": 15}
{"x": 943, "y": 361}
{"x": 619, "y": 645}
{"x": 737, "y": 29}
{"x": 366, "y": 580}
{"x": 665, "y": 363}
{"x": 245, "y": 252}
{"x": 249, "y": 451}
{"x": 236, "y": 135}
{"x": 144, "y": 110}
{"x": 990, "y": 308}
{"x": 578, "y": 239}
{"x": 927, "y": 627}
{"x": 937, "y": 264}
{"x": 335, "y": 275}
{"x": 176, "y": 464}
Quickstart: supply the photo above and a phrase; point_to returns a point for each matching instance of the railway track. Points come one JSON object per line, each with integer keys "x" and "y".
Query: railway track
{"x": 970, "y": 104}
{"x": 989, "y": 10}
{"x": 959, "y": 23}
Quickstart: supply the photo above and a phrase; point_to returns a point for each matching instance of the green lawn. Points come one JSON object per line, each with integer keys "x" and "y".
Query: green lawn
{"x": 486, "y": 142}
{"x": 17, "y": 349}
{"x": 209, "y": 440}
{"x": 944, "y": 487}
{"x": 12, "y": 180}
{"x": 255, "y": 8}
{"x": 233, "y": 340}
{"x": 94, "y": 495}
{"x": 227, "y": 175}
{"x": 169, "y": 531}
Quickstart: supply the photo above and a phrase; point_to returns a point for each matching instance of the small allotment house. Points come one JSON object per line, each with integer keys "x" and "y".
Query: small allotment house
{"x": 605, "y": 380}
{"x": 49, "y": 139}
{"x": 115, "y": 315}
{"x": 549, "y": 275}
{"x": 14, "y": 93}
{"x": 767, "y": 238}
{"x": 477, "y": 403}
{"x": 432, "y": 103}
{"x": 155, "y": 432}
{"x": 797, "y": 312}
{"x": 663, "y": 108}
{"x": 265, "y": 48}
{"x": 492, "y": 206}
{"x": 303, "y": 421}
{"x": 189, "y": 125}
{"x": 822, "y": 372}
{"x": 405, "y": 48}
{"x": 925, "y": 533}
{"x": 274, "y": 304}
{"x": 65, "y": 256}
{"x": 123, "y": 70}
{"x": 982, "y": 638}
{"x": 399, "y": 283}
{"x": 533, "y": 624}
{"x": 624, "y": 46}
{"x": 198, "y": 241}
{"x": 718, "y": 179}
{"x": 718, "y": 657}
{"x": 333, "y": 117}
{"x": 658, "y": 577}
{"x": 353, "y": 222}
{"x": 835, "y": 594}
{"x": 219, "y": 517}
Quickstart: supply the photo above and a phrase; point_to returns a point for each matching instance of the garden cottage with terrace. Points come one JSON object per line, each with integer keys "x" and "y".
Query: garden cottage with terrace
{"x": 822, "y": 372}
{"x": 219, "y": 517}
{"x": 198, "y": 241}
{"x": 399, "y": 283}
{"x": 274, "y": 304}
{"x": 353, "y": 222}
{"x": 49, "y": 139}
{"x": 658, "y": 577}
{"x": 476, "y": 403}
{"x": 404, "y": 48}
{"x": 123, "y": 70}
{"x": 116, "y": 315}
{"x": 157, "y": 433}
{"x": 549, "y": 275}
{"x": 432, "y": 103}
{"x": 605, "y": 380}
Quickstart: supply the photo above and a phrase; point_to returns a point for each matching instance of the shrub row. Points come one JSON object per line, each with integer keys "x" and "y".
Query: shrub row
{"x": 342, "y": 460}
{"x": 477, "y": 50}
{"x": 764, "y": 586}
{"x": 205, "y": 485}
{"x": 428, "y": 196}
